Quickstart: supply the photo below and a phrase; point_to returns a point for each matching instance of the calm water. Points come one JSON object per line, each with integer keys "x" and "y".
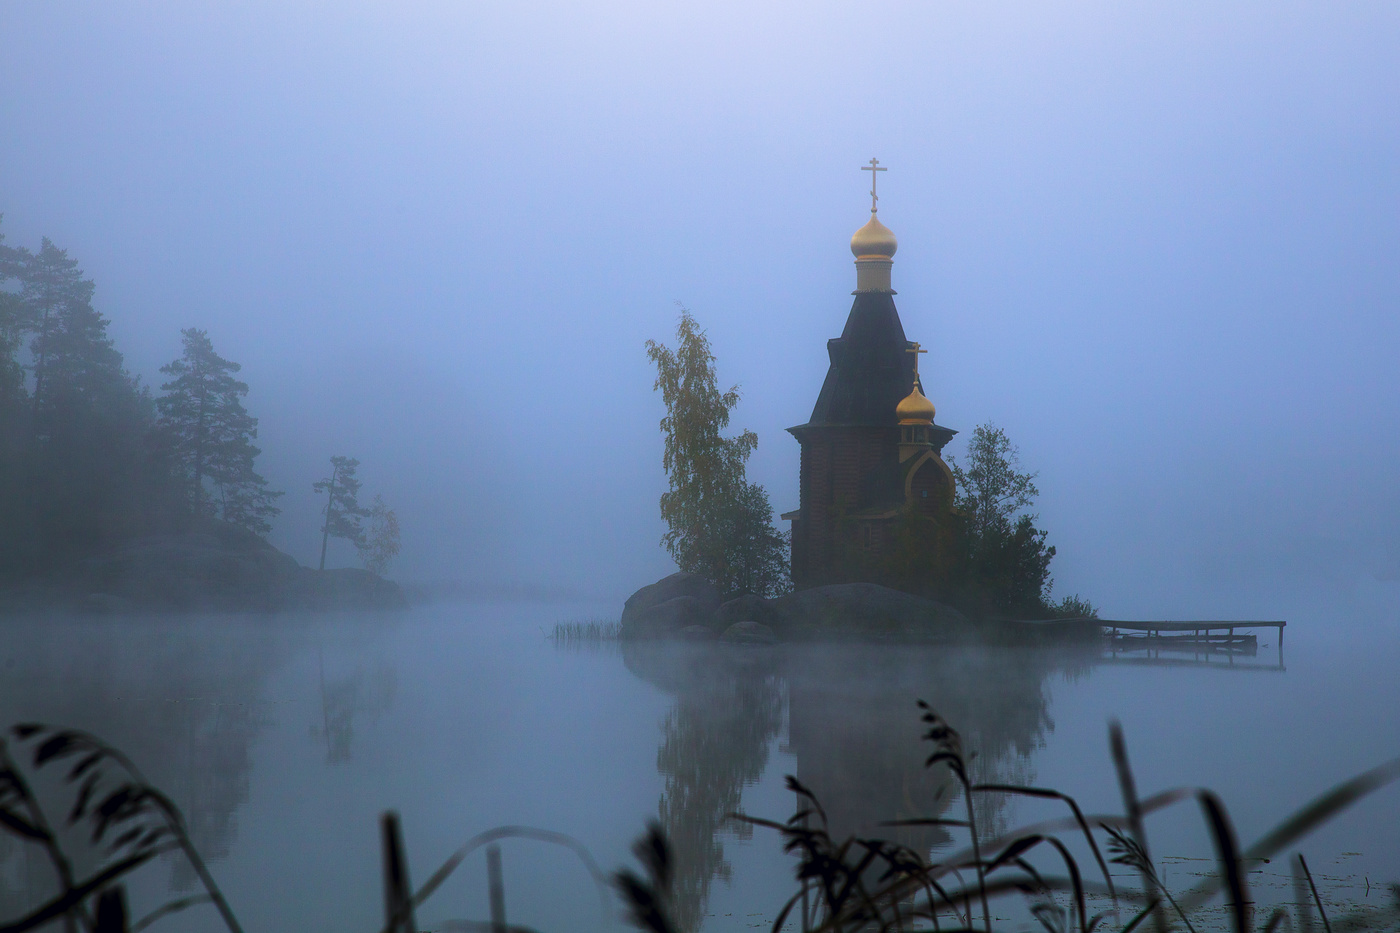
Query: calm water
{"x": 284, "y": 739}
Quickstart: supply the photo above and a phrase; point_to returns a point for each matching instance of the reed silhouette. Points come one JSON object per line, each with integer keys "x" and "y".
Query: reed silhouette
{"x": 111, "y": 821}
{"x": 859, "y": 883}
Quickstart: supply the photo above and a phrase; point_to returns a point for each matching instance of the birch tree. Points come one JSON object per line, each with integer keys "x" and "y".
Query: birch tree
{"x": 719, "y": 524}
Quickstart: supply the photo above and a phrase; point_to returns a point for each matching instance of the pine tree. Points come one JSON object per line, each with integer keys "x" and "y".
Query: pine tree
{"x": 78, "y": 372}
{"x": 56, "y": 307}
{"x": 78, "y": 474}
{"x": 245, "y": 499}
{"x": 720, "y": 525}
{"x": 12, "y": 329}
{"x": 210, "y": 436}
{"x": 343, "y": 511}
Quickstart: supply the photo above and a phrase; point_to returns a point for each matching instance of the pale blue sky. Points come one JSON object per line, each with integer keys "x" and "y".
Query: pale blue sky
{"x": 1157, "y": 242}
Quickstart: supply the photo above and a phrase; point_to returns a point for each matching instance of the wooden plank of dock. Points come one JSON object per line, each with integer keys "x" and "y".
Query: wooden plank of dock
{"x": 1201, "y": 627}
{"x": 1208, "y": 632}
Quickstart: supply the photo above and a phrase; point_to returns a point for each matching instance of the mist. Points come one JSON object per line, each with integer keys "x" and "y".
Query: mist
{"x": 1155, "y": 243}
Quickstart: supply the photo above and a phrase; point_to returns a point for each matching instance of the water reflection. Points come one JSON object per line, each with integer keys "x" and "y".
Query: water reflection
{"x": 343, "y": 698}
{"x": 851, "y": 724}
{"x": 184, "y": 701}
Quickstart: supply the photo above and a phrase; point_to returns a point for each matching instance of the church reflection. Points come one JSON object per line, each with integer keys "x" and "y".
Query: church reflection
{"x": 847, "y": 714}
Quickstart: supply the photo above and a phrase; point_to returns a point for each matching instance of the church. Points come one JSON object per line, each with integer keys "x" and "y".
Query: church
{"x": 876, "y": 495}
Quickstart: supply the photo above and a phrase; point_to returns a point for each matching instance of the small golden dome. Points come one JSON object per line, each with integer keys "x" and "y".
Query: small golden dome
{"x": 874, "y": 240}
{"x": 915, "y": 408}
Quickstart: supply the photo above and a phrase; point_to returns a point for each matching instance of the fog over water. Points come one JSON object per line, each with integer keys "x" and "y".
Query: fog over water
{"x": 1156, "y": 244}
{"x": 283, "y": 739}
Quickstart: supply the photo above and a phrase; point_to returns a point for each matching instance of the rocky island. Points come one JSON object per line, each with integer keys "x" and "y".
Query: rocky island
{"x": 214, "y": 567}
{"x": 686, "y": 606}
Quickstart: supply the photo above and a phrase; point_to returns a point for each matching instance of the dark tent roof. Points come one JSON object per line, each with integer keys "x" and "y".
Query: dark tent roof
{"x": 871, "y": 369}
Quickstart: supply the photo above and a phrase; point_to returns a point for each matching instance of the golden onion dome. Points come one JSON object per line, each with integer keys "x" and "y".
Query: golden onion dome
{"x": 914, "y": 408}
{"x": 874, "y": 240}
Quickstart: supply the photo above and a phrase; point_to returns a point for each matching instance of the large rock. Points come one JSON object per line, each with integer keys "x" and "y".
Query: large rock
{"x": 866, "y": 612}
{"x": 683, "y": 604}
{"x": 669, "y": 605}
{"x": 222, "y": 568}
{"x": 749, "y": 633}
{"x": 748, "y": 608}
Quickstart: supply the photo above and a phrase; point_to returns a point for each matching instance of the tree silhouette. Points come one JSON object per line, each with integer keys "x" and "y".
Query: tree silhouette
{"x": 56, "y": 307}
{"x": 210, "y": 436}
{"x": 75, "y": 469}
{"x": 12, "y": 318}
{"x": 343, "y": 510}
{"x": 1006, "y": 559}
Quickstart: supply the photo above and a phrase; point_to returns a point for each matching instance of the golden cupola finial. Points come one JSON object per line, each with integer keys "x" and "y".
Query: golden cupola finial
{"x": 874, "y": 244}
{"x": 915, "y": 408}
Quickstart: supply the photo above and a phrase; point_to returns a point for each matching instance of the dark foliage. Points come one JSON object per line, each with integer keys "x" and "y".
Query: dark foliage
{"x": 85, "y": 463}
{"x": 343, "y": 513}
{"x": 107, "y": 809}
{"x": 987, "y": 557}
{"x": 79, "y": 467}
{"x": 1002, "y": 559}
{"x": 209, "y": 436}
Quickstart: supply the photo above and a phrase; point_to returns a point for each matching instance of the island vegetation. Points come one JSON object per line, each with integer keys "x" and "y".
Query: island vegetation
{"x": 720, "y": 525}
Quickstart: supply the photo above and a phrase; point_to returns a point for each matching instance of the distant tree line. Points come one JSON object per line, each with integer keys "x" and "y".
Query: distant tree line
{"x": 90, "y": 457}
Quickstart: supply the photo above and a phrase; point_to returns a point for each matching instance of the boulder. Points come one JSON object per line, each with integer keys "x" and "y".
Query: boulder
{"x": 748, "y": 608}
{"x": 669, "y": 605}
{"x": 866, "y": 612}
{"x": 666, "y": 619}
{"x": 749, "y": 633}
{"x": 687, "y": 606}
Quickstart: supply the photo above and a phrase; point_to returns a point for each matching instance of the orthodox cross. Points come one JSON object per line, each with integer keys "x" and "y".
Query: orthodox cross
{"x": 872, "y": 168}
{"x": 915, "y": 349}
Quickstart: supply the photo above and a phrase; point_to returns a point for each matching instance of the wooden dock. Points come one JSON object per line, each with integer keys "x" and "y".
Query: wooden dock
{"x": 1226, "y": 638}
